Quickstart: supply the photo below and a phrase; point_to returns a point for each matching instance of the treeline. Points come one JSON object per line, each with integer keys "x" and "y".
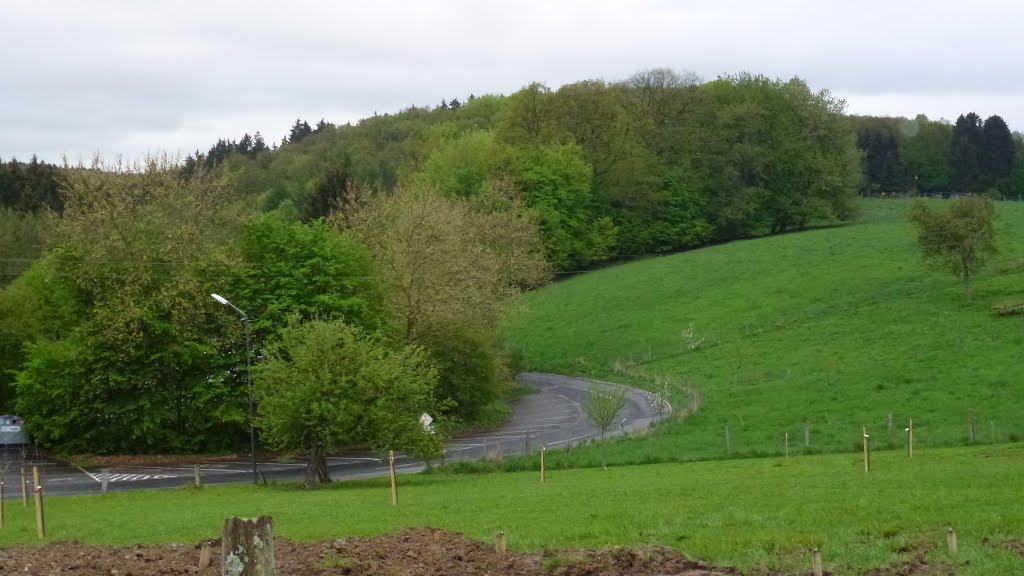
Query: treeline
{"x": 922, "y": 156}
{"x": 658, "y": 163}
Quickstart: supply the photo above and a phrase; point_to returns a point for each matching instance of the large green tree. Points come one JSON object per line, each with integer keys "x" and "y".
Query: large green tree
{"x": 326, "y": 386}
{"x": 966, "y": 151}
{"x": 997, "y": 152}
{"x": 135, "y": 355}
{"x": 927, "y": 153}
{"x": 310, "y": 270}
{"x": 450, "y": 268}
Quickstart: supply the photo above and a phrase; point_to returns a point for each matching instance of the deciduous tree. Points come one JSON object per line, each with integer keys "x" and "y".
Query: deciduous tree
{"x": 959, "y": 238}
{"x": 326, "y": 386}
{"x": 602, "y": 406}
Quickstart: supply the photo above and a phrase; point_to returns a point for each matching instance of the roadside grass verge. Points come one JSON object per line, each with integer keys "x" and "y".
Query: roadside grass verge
{"x": 750, "y": 513}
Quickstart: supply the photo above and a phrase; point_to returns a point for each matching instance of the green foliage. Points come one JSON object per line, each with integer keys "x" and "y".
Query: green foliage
{"x": 881, "y": 140}
{"x": 927, "y": 152}
{"x": 997, "y": 152}
{"x": 461, "y": 166}
{"x": 30, "y": 186}
{"x": 967, "y": 154}
{"x": 469, "y": 364}
{"x": 449, "y": 269}
{"x": 555, "y": 182}
{"x": 811, "y": 329}
{"x": 782, "y": 156}
{"x": 305, "y": 270}
{"x": 325, "y": 386}
{"x": 21, "y": 239}
{"x": 124, "y": 348}
{"x": 959, "y": 238}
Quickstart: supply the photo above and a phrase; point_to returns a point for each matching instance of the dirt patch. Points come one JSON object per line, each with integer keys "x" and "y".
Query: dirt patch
{"x": 413, "y": 552}
{"x": 1015, "y": 545}
{"x": 917, "y": 565}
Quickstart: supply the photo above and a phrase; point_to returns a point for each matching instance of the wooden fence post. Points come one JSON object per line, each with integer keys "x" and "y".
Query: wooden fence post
{"x": 104, "y": 481}
{"x": 951, "y": 541}
{"x": 807, "y": 436}
{"x": 542, "y": 450}
{"x": 787, "y": 444}
{"x": 728, "y": 441}
{"x": 394, "y": 480}
{"x": 204, "y": 556}
{"x": 816, "y": 565}
{"x": 499, "y": 543}
{"x": 247, "y": 548}
{"x": 1, "y": 504}
{"x": 24, "y": 492}
{"x": 197, "y": 478}
{"x": 910, "y": 438}
{"x": 867, "y": 451}
{"x": 40, "y": 523}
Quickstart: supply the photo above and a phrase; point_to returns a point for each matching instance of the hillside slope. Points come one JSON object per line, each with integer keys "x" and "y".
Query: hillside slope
{"x": 825, "y": 330}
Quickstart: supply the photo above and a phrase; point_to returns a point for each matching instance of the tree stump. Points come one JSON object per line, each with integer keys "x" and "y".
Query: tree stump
{"x": 248, "y": 547}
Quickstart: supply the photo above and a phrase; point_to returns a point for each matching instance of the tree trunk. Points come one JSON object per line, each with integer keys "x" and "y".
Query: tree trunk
{"x": 967, "y": 286}
{"x": 316, "y": 467}
{"x": 604, "y": 460}
{"x": 248, "y": 547}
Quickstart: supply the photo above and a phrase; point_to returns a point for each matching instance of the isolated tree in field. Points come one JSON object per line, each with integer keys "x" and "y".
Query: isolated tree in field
{"x": 602, "y": 406}
{"x": 958, "y": 238}
{"x": 326, "y": 386}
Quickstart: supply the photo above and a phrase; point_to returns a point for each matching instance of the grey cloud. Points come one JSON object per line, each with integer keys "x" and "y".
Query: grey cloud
{"x": 130, "y": 76}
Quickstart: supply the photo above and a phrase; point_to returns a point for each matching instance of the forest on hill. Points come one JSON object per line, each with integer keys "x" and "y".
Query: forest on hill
{"x": 410, "y": 233}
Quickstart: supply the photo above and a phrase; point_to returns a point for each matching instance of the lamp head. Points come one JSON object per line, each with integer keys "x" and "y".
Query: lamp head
{"x": 220, "y": 298}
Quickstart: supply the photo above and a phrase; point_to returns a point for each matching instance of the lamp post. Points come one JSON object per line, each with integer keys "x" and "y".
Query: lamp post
{"x": 248, "y": 374}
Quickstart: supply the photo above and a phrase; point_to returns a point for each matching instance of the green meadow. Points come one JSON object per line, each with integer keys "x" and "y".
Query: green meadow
{"x": 815, "y": 334}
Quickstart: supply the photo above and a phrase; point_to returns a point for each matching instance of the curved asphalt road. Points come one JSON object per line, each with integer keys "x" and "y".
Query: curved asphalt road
{"x": 552, "y": 417}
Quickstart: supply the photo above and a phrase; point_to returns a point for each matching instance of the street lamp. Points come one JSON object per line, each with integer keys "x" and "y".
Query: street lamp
{"x": 248, "y": 373}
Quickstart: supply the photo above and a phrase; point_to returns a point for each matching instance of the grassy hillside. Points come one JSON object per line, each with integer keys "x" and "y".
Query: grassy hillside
{"x": 829, "y": 329}
{"x": 764, "y": 512}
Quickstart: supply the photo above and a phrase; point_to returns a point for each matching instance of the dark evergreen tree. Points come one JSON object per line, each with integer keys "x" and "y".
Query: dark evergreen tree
{"x": 258, "y": 145}
{"x": 997, "y": 152}
{"x": 884, "y": 171}
{"x": 300, "y": 130}
{"x": 966, "y": 153}
{"x": 330, "y": 192}
{"x": 244, "y": 145}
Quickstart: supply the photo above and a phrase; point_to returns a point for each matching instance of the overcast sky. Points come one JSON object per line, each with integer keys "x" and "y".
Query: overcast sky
{"x": 128, "y": 77}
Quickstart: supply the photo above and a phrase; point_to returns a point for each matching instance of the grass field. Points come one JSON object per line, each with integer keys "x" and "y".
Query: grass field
{"x": 828, "y": 330}
{"x": 753, "y": 512}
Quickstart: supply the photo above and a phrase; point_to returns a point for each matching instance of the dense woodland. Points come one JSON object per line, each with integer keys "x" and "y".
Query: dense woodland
{"x": 413, "y": 232}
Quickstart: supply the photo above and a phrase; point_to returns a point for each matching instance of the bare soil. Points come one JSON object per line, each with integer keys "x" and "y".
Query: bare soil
{"x": 413, "y": 552}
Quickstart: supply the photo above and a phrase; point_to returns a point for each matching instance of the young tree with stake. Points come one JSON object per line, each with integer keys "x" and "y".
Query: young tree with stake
{"x": 602, "y": 405}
